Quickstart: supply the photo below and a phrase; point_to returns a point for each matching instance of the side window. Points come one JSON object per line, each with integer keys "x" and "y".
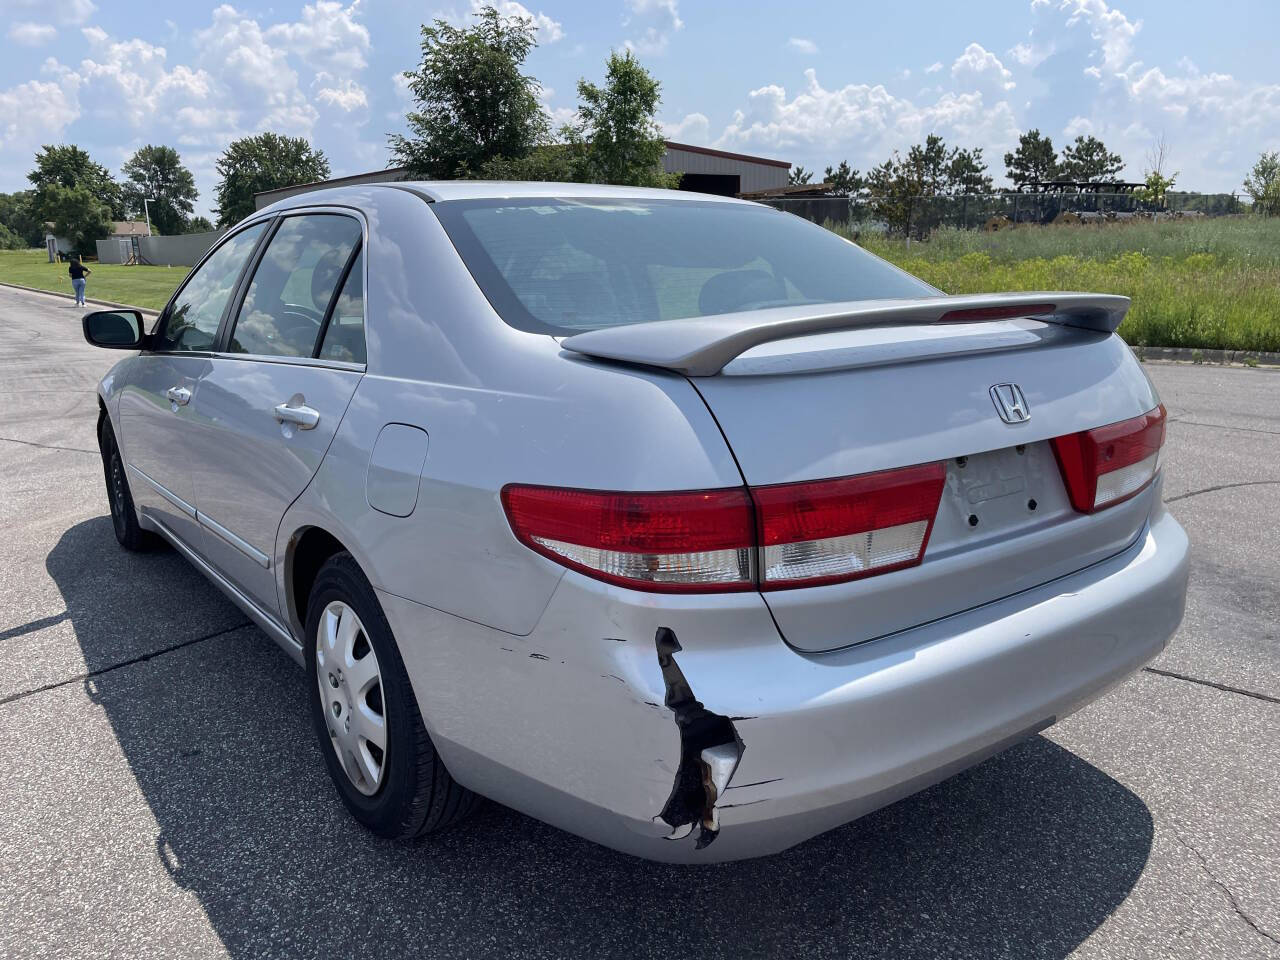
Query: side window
{"x": 192, "y": 321}
{"x": 344, "y": 337}
{"x": 285, "y": 305}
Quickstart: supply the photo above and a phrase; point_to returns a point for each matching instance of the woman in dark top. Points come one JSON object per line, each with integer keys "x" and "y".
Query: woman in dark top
{"x": 78, "y": 272}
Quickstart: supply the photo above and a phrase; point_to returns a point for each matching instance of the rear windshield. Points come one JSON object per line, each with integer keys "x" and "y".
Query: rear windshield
{"x": 562, "y": 266}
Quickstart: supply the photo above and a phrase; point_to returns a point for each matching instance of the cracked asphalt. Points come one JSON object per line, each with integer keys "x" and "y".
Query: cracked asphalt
{"x": 161, "y": 795}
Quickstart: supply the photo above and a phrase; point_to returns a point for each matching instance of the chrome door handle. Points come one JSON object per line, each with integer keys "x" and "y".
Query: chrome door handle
{"x": 302, "y": 417}
{"x": 179, "y": 395}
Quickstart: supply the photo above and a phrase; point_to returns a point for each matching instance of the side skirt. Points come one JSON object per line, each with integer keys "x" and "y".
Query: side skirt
{"x": 272, "y": 627}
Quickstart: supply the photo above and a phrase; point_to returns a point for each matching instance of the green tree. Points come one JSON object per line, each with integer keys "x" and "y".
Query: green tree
{"x": 893, "y": 189}
{"x": 966, "y": 172}
{"x": 66, "y": 165}
{"x": 18, "y": 215}
{"x": 1033, "y": 162}
{"x": 197, "y": 225}
{"x": 799, "y": 176}
{"x": 472, "y": 102}
{"x": 1088, "y": 159}
{"x": 79, "y": 215}
{"x": 157, "y": 172}
{"x": 10, "y": 240}
{"x": 1263, "y": 184}
{"x": 616, "y": 126}
{"x": 844, "y": 180}
{"x": 263, "y": 162}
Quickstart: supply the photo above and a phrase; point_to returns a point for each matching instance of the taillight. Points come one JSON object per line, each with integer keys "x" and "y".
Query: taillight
{"x": 685, "y": 542}
{"x": 796, "y": 535}
{"x": 828, "y": 531}
{"x": 1108, "y": 465}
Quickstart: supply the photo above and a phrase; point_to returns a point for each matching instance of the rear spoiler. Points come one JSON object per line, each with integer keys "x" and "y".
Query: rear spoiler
{"x": 701, "y": 346}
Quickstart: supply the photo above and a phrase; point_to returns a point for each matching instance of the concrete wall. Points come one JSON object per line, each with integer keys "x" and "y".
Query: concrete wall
{"x": 183, "y": 250}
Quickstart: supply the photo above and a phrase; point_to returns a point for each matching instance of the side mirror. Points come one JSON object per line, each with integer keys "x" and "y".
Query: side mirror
{"x": 114, "y": 329}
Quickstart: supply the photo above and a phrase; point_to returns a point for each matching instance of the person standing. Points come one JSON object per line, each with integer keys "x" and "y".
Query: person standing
{"x": 78, "y": 272}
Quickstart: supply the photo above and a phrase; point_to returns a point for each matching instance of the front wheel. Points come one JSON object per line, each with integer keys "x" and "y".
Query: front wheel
{"x": 366, "y": 716}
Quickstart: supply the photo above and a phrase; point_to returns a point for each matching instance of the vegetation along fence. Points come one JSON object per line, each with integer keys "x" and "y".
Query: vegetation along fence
{"x": 919, "y": 216}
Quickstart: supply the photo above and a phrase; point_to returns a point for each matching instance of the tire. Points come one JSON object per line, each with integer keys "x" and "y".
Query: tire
{"x": 411, "y": 794}
{"x": 124, "y": 518}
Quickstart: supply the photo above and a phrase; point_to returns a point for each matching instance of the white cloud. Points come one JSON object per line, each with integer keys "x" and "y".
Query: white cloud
{"x": 32, "y": 34}
{"x": 327, "y": 38}
{"x": 933, "y": 67}
{"x": 801, "y": 45}
{"x": 33, "y": 112}
{"x": 695, "y": 128}
{"x": 1077, "y": 127}
{"x": 59, "y": 11}
{"x": 346, "y": 96}
{"x": 980, "y": 68}
{"x": 546, "y": 29}
{"x": 656, "y": 20}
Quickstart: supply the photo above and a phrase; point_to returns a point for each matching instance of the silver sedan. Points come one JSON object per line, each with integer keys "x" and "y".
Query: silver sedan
{"x": 675, "y": 521}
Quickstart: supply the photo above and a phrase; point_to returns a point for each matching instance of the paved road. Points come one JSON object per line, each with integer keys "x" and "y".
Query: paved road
{"x": 160, "y": 793}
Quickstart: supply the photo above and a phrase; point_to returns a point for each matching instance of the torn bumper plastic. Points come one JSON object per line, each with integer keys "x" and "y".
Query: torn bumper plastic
{"x": 753, "y": 745}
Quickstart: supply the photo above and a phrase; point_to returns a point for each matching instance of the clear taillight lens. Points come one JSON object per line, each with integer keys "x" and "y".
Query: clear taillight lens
{"x": 1108, "y": 465}
{"x": 686, "y": 542}
{"x": 833, "y": 530}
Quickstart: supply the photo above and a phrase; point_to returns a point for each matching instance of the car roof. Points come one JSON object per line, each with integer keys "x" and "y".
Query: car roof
{"x": 443, "y": 190}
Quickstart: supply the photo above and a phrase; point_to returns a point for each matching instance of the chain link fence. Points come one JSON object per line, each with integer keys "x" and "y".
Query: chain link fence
{"x": 919, "y": 216}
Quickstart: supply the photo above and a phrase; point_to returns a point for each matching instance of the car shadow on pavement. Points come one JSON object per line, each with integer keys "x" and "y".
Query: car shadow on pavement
{"x": 1022, "y": 856}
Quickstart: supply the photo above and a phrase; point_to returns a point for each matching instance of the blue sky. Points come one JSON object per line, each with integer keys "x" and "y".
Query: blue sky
{"x": 812, "y": 83}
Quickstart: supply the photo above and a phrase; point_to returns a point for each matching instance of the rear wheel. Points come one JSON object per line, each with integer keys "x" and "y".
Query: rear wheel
{"x": 365, "y": 714}
{"x": 124, "y": 518}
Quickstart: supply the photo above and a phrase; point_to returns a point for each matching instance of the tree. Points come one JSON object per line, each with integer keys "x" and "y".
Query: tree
{"x": 156, "y": 172}
{"x": 1089, "y": 160}
{"x": 1033, "y": 161}
{"x": 1263, "y": 184}
{"x": 844, "y": 180}
{"x": 966, "y": 172}
{"x": 10, "y": 240}
{"x": 263, "y": 162}
{"x": 197, "y": 225}
{"x": 66, "y": 165}
{"x": 799, "y": 176}
{"x": 1158, "y": 178}
{"x": 79, "y": 215}
{"x": 617, "y": 126}
{"x": 472, "y": 103}
{"x": 19, "y": 216}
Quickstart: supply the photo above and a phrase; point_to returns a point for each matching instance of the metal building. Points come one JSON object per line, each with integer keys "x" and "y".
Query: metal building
{"x": 705, "y": 171}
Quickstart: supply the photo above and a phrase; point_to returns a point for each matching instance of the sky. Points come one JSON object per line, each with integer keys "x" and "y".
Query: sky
{"x": 812, "y": 83}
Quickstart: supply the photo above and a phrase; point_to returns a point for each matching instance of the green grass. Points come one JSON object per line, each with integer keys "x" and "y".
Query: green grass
{"x": 147, "y": 287}
{"x": 1203, "y": 284}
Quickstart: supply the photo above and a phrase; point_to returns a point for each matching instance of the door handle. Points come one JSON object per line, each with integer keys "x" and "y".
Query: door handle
{"x": 179, "y": 395}
{"x": 300, "y": 415}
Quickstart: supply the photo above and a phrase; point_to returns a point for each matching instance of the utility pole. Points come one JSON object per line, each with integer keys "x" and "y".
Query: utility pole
{"x": 147, "y": 211}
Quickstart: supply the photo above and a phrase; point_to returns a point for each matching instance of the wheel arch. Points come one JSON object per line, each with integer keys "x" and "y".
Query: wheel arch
{"x": 309, "y": 548}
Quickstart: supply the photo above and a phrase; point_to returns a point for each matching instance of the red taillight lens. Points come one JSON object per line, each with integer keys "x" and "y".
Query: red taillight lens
{"x": 1108, "y": 465}
{"x": 833, "y": 530}
{"x": 685, "y": 542}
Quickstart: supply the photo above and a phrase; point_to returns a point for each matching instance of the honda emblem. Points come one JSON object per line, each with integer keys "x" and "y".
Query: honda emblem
{"x": 1010, "y": 403}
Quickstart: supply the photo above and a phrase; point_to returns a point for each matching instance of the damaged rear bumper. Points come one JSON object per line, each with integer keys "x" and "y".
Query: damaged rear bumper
{"x": 683, "y": 729}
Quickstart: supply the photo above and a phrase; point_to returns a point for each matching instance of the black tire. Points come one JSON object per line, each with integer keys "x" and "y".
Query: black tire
{"x": 124, "y": 518}
{"x": 416, "y": 795}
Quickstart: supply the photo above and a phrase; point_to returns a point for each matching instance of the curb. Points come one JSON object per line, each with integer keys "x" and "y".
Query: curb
{"x": 67, "y": 296}
{"x": 1264, "y": 358}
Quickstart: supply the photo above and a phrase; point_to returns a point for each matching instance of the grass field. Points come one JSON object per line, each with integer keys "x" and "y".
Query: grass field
{"x": 1208, "y": 283}
{"x": 140, "y": 286}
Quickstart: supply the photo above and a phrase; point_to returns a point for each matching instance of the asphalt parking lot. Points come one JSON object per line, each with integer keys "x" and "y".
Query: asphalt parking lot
{"x": 161, "y": 794}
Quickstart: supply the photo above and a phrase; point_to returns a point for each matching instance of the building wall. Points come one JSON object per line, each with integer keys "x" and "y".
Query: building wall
{"x": 753, "y": 174}
{"x": 182, "y": 250}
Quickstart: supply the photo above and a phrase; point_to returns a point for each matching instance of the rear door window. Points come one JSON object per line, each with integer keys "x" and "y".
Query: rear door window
{"x": 285, "y": 306}
{"x": 192, "y": 320}
{"x": 344, "y": 336}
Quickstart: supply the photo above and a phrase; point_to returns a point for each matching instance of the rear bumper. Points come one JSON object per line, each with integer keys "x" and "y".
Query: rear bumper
{"x": 569, "y": 724}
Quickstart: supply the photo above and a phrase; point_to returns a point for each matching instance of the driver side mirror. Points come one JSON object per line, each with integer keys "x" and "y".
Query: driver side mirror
{"x": 114, "y": 329}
